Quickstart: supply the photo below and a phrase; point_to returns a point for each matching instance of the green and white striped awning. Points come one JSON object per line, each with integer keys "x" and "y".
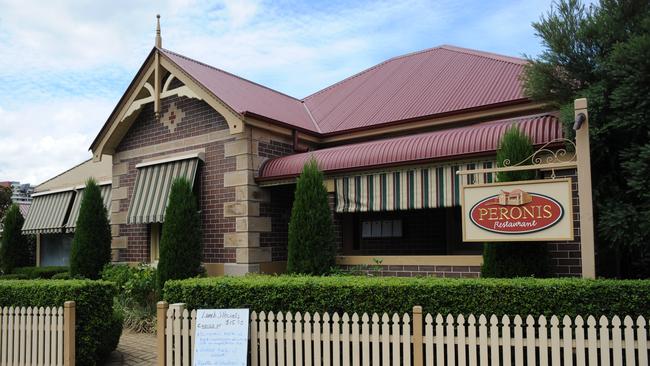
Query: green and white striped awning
{"x": 152, "y": 187}
{"x": 406, "y": 189}
{"x": 106, "y": 192}
{"x": 48, "y": 212}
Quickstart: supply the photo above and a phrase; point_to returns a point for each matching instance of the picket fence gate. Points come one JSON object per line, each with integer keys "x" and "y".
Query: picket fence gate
{"x": 37, "y": 335}
{"x": 305, "y": 339}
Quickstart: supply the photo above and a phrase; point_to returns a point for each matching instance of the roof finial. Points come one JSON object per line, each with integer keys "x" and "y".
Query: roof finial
{"x": 158, "y": 37}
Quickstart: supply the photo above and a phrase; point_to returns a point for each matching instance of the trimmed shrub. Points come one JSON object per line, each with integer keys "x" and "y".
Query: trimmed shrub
{"x": 98, "y": 327}
{"x": 311, "y": 247}
{"x": 40, "y": 272}
{"x": 521, "y": 296}
{"x": 507, "y": 260}
{"x": 14, "y": 250}
{"x": 62, "y": 276}
{"x": 180, "y": 246}
{"x": 91, "y": 246}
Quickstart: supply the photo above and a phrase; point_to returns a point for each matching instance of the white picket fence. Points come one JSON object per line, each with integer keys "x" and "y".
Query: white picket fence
{"x": 37, "y": 335}
{"x": 306, "y": 339}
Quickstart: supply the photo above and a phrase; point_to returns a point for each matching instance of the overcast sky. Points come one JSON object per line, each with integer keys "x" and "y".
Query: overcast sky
{"x": 65, "y": 64}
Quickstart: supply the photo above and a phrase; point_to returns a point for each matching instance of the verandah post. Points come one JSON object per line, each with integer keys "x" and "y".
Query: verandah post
{"x": 417, "y": 336}
{"x": 69, "y": 320}
{"x": 161, "y": 315}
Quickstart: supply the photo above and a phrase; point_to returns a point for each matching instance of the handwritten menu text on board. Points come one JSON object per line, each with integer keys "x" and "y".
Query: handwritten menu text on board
{"x": 221, "y": 337}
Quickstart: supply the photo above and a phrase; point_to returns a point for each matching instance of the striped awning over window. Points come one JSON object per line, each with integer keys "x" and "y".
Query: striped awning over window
{"x": 407, "y": 189}
{"x": 47, "y": 213}
{"x": 106, "y": 192}
{"x": 152, "y": 187}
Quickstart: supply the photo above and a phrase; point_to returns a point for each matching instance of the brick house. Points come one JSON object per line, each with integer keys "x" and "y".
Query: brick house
{"x": 389, "y": 140}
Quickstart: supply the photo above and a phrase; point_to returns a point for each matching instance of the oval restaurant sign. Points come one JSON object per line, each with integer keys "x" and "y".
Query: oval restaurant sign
{"x": 518, "y": 211}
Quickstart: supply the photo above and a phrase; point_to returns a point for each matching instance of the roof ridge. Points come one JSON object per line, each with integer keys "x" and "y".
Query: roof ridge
{"x": 394, "y": 58}
{"x": 311, "y": 117}
{"x": 231, "y": 74}
{"x": 490, "y": 55}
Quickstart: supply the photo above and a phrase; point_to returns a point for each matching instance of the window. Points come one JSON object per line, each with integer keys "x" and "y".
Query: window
{"x": 381, "y": 229}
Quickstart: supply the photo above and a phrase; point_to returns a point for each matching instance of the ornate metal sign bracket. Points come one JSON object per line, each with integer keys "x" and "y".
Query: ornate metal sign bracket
{"x": 545, "y": 158}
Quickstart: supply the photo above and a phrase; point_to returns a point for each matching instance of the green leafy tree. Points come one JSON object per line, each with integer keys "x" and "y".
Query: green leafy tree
{"x": 601, "y": 52}
{"x": 311, "y": 233}
{"x": 515, "y": 259}
{"x": 5, "y": 201}
{"x": 14, "y": 247}
{"x": 91, "y": 245}
{"x": 181, "y": 243}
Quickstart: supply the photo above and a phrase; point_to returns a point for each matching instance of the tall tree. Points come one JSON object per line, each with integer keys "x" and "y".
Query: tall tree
{"x": 5, "y": 201}
{"x": 14, "y": 247}
{"x": 181, "y": 244}
{"x": 515, "y": 259}
{"x": 311, "y": 233}
{"x": 91, "y": 245}
{"x": 601, "y": 52}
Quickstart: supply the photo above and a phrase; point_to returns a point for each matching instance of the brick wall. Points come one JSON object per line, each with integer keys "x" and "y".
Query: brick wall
{"x": 278, "y": 207}
{"x": 274, "y": 149}
{"x": 415, "y": 270}
{"x": 565, "y": 255}
{"x": 279, "y": 210}
{"x": 199, "y": 119}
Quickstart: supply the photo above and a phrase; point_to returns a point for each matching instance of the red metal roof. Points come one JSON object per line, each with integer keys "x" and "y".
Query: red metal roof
{"x": 423, "y": 84}
{"x": 481, "y": 138}
{"x": 246, "y": 96}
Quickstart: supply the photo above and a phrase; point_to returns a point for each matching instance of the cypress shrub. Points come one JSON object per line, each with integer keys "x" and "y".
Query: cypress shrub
{"x": 515, "y": 259}
{"x": 311, "y": 248}
{"x": 180, "y": 245}
{"x": 91, "y": 245}
{"x": 14, "y": 248}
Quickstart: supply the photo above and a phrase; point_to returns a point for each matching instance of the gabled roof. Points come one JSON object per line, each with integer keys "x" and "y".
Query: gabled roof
{"x": 423, "y": 84}
{"x": 474, "y": 140}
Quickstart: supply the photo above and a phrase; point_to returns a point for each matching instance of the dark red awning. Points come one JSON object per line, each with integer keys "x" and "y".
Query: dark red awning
{"x": 478, "y": 139}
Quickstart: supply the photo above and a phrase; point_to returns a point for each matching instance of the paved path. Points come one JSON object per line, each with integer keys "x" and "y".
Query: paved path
{"x": 134, "y": 349}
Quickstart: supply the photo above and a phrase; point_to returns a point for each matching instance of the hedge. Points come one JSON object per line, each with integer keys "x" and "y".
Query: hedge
{"x": 98, "y": 327}
{"x": 390, "y": 294}
{"x": 40, "y": 272}
{"x": 13, "y": 276}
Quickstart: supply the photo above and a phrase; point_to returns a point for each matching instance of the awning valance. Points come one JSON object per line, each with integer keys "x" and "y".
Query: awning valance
{"x": 47, "y": 213}
{"x": 106, "y": 192}
{"x": 152, "y": 186}
{"x": 406, "y": 189}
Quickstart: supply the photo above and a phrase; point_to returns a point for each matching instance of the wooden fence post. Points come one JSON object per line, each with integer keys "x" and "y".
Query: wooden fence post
{"x": 417, "y": 336}
{"x": 161, "y": 316}
{"x": 69, "y": 320}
